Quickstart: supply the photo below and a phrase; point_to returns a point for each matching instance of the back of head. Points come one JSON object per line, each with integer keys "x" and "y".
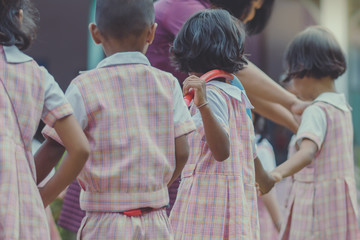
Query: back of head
{"x": 123, "y": 18}
{"x": 210, "y": 39}
{"x": 241, "y": 8}
{"x": 14, "y": 32}
{"x": 315, "y": 53}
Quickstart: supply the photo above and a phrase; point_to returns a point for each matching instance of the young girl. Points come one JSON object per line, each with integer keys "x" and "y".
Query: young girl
{"x": 268, "y": 206}
{"x": 217, "y": 194}
{"x": 322, "y": 202}
{"x": 29, "y": 93}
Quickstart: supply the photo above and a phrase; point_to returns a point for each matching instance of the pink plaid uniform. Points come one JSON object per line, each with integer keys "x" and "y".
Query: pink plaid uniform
{"x": 322, "y": 202}
{"x": 217, "y": 200}
{"x": 131, "y": 129}
{"x": 31, "y": 89}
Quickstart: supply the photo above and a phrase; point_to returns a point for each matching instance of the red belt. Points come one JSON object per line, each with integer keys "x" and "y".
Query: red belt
{"x": 140, "y": 211}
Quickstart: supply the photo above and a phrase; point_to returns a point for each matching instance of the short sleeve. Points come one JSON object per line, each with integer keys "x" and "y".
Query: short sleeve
{"x": 55, "y": 104}
{"x": 74, "y": 97}
{"x": 313, "y": 126}
{"x": 182, "y": 118}
{"x": 219, "y": 108}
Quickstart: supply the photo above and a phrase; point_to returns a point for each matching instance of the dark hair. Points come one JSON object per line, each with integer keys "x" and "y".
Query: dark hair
{"x": 258, "y": 23}
{"x": 241, "y": 8}
{"x": 124, "y": 18}
{"x": 12, "y": 32}
{"x": 315, "y": 53}
{"x": 210, "y": 39}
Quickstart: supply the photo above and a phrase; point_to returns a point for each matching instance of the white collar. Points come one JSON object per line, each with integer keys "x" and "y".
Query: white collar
{"x": 233, "y": 91}
{"x": 122, "y": 58}
{"x": 14, "y": 55}
{"x": 336, "y": 99}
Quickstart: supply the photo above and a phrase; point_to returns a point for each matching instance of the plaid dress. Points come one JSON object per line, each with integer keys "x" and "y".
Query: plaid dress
{"x": 322, "y": 203}
{"x": 22, "y": 214}
{"x": 217, "y": 200}
{"x": 131, "y": 127}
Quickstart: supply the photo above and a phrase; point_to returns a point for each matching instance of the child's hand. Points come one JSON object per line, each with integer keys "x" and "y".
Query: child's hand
{"x": 277, "y": 176}
{"x": 266, "y": 184}
{"x": 199, "y": 86}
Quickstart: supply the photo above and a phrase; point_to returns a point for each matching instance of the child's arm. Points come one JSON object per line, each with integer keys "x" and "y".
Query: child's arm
{"x": 298, "y": 161}
{"x": 46, "y": 158}
{"x": 181, "y": 156}
{"x": 78, "y": 150}
{"x": 216, "y": 137}
{"x": 272, "y": 206}
{"x": 264, "y": 179}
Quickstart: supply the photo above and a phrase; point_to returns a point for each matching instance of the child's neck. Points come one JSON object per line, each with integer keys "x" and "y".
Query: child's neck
{"x": 322, "y": 85}
{"x": 112, "y": 46}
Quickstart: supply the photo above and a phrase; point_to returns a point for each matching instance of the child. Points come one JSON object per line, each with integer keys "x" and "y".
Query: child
{"x": 29, "y": 93}
{"x": 217, "y": 194}
{"x": 269, "y": 209}
{"x": 322, "y": 202}
{"x": 136, "y": 121}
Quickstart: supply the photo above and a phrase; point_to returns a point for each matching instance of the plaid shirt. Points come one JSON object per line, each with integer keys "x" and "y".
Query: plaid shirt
{"x": 35, "y": 95}
{"x": 131, "y": 114}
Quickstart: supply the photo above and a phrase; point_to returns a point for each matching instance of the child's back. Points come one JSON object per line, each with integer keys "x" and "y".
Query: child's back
{"x": 325, "y": 190}
{"x": 136, "y": 120}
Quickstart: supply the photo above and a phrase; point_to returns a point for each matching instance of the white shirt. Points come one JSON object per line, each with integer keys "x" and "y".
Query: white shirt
{"x": 314, "y": 119}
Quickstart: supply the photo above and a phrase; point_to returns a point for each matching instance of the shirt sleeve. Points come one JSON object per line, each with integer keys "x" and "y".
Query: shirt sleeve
{"x": 55, "y": 104}
{"x": 74, "y": 97}
{"x": 184, "y": 124}
{"x": 219, "y": 109}
{"x": 313, "y": 126}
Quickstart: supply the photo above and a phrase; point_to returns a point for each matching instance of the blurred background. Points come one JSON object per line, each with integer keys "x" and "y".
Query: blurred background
{"x": 64, "y": 48}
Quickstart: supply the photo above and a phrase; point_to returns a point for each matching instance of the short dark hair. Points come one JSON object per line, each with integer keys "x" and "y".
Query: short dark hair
{"x": 210, "y": 39}
{"x": 124, "y": 18}
{"x": 240, "y": 9}
{"x": 12, "y": 32}
{"x": 315, "y": 52}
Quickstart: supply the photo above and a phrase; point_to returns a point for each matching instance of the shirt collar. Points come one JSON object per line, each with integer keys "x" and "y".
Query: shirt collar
{"x": 233, "y": 92}
{"x": 336, "y": 99}
{"x": 123, "y": 58}
{"x": 14, "y": 55}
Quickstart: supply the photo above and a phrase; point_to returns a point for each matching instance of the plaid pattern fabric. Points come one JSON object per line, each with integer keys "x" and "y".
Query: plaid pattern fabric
{"x": 113, "y": 226}
{"x": 132, "y": 133}
{"x": 267, "y": 228}
{"x": 322, "y": 202}
{"x": 217, "y": 200}
{"x": 22, "y": 214}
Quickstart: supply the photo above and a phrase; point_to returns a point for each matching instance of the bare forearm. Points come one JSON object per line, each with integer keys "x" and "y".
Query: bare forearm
{"x": 258, "y": 84}
{"x": 275, "y": 112}
{"x": 47, "y": 157}
{"x": 216, "y": 136}
{"x": 264, "y": 179}
{"x": 272, "y": 206}
{"x": 181, "y": 157}
{"x": 294, "y": 164}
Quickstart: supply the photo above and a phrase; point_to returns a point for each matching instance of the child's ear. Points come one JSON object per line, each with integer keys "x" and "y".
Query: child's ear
{"x": 151, "y": 33}
{"x": 95, "y": 33}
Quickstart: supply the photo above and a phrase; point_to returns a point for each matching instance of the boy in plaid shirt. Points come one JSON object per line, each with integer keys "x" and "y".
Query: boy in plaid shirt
{"x": 136, "y": 122}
